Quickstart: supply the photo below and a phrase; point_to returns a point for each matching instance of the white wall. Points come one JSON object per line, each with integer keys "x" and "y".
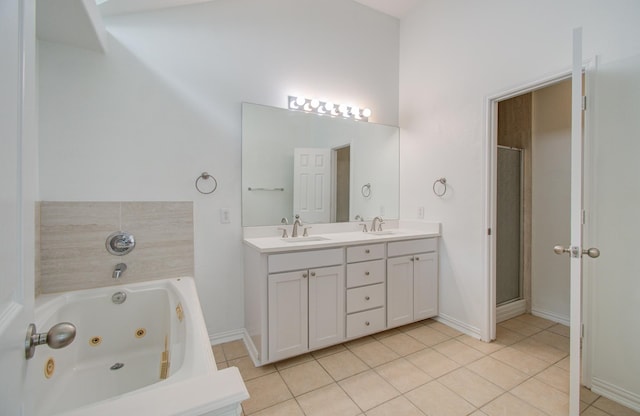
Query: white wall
{"x": 453, "y": 55}
{"x": 551, "y": 200}
{"x": 164, "y": 104}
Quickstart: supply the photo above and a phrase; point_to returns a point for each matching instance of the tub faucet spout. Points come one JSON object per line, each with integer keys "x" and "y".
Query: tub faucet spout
{"x": 119, "y": 270}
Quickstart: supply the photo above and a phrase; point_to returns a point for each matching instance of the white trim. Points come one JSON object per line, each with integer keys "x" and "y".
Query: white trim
{"x": 227, "y": 336}
{"x": 463, "y": 327}
{"x": 615, "y": 393}
{"x": 510, "y": 310}
{"x": 564, "y": 320}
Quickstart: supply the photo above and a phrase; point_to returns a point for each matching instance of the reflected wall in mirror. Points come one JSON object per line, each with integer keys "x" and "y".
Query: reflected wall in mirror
{"x": 317, "y": 167}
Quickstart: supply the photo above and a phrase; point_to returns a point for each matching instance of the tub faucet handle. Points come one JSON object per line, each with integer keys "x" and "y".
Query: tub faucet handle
{"x": 119, "y": 270}
{"x": 59, "y": 336}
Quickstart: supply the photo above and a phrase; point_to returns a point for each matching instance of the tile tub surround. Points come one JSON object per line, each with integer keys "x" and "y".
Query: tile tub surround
{"x": 73, "y": 235}
{"x": 424, "y": 368}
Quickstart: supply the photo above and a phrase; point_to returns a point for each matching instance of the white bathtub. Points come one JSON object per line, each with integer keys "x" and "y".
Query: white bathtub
{"x": 132, "y": 336}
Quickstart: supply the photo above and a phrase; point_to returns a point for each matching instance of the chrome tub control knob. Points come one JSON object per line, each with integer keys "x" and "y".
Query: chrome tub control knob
{"x": 59, "y": 336}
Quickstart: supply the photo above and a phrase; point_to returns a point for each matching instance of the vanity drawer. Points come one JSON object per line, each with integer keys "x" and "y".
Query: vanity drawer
{"x": 367, "y": 322}
{"x": 366, "y": 297}
{"x": 365, "y": 273}
{"x": 364, "y": 253}
{"x": 424, "y": 245}
{"x": 305, "y": 260}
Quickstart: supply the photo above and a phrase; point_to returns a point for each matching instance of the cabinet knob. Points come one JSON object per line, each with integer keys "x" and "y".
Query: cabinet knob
{"x": 367, "y": 323}
{"x": 367, "y": 251}
{"x": 366, "y": 273}
{"x": 313, "y": 274}
{"x": 367, "y": 298}
{"x": 417, "y": 258}
{"x": 304, "y": 275}
{"x": 412, "y": 259}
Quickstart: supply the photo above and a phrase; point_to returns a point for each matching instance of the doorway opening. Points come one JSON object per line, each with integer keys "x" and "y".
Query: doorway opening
{"x": 530, "y": 201}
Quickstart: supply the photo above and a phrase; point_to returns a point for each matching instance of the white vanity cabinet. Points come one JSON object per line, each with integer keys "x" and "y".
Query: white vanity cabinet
{"x": 412, "y": 281}
{"x": 306, "y": 307}
{"x": 366, "y": 276}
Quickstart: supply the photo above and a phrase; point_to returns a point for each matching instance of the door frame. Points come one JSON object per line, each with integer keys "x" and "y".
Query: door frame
{"x": 488, "y": 332}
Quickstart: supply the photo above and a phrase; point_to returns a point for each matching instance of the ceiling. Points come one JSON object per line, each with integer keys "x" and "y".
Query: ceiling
{"x": 395, "y": 8}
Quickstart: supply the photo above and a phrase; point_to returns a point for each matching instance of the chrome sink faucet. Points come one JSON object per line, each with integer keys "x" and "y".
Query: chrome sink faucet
{"x": 379, "y": 221}
{"x": 296, "y": 223}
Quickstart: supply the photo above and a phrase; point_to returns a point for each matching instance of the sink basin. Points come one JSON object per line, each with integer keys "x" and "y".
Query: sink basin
{"x": 383, "y": 232}
{"x": 304, "y": 239}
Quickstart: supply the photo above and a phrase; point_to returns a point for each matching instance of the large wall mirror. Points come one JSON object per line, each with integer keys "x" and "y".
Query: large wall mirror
{"x": 323, "y": 168}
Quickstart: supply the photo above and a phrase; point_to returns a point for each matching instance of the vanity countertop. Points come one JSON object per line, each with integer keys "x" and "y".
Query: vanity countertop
{"x": 328, "y": 240}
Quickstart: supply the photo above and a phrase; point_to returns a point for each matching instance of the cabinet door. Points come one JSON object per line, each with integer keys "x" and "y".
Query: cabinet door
{"x": 425, "y": 286}
{"x": 326, "y": 306}
{"x": 288, "y": 314}
{"x": 399, "y": 291}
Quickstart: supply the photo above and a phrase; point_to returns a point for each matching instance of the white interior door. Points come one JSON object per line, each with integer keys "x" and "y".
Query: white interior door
{"x": 17, "y": 120}
{"x": 312, "y": 184}
{"x": 611, "y": 361}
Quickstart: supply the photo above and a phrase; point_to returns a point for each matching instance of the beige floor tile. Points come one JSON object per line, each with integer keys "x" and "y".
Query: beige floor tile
{"x": 520, "y": 327}
{"x": 293, "y": 361}
{"x": 478, "y": 413}
{"x": 234, "y": 349}
{"x": 613, "y": 408}
{"x": 399, "y": 406}
{"x": 458, "y": 352}
{"x": 368, "y": 389}
{"x": 402, "y": 344}
{"x": 509, "y": 405}
{"x": 264, "y": 392}
{"x": 432, "y": 362}
{"x": 555, "y": 377}
{"x": 342, "y": 365}
{"x": 328, "y": 351}
{"x": 564, "y": 363}
{"x": 428, "y": 336}
{"x": 506, "y": 336}
{"x": 359, "y": 341}
{"x": 288, "y": 408}
{"x": 222, "y": 365}
{"x": 374, "y": 353}
{"x": 584, "y": 406}
{"x": 436, "y": 400}
{"x": 328, "y": 401}
{"x": 587, "y": 395}
{"x": 403, "y": 375}
{"x": 560, "y": 330}
{"x": 305, "y": 377}
{"x": 535, "y": 321}
{"x": 248, "y": 370}
{"x": 218, "y": 353}
{"x": 544, "y": 397}
{"x": 483, "y": 347}
{"x": 520, "y": 360}
{"x": 386, "y": 333}
{"x": 553, "y": 340}
{"x": 447, "y": 330}
{"x": 593, "y": 411}
{"x": 409, "y": 327}
{"x": 539, "y": 350}
{"x": 498, "y": 373}
{"x": 476, "y": 390}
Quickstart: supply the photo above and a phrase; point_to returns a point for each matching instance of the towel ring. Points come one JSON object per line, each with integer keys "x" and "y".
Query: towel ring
{"x": 366, "y": 190}
{"x": 442, "y": 181}
{"x": 205, "y": 176}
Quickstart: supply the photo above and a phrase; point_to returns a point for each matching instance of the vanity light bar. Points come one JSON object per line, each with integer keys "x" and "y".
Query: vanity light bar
{"x": 327, "y": 107}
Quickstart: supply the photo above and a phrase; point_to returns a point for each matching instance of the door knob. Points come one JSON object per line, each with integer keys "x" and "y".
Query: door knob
{"x": 561, "y": 250}
{"x": 592, "y": 252}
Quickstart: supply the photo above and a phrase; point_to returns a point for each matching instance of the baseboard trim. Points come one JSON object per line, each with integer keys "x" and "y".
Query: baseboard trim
{"x": 510, "y": 310}
{"x": 615, "y": 393}
{"x": 564, "y": 320}
{"x": 458, "y": 325}
{"x": 227, "y": 336}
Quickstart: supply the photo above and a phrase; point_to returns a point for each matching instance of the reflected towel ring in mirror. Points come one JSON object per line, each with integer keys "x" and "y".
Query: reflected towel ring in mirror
{"x": 366, "y": 190}
{"x": 443, "y": 182}
{"x": 205, "y": 176}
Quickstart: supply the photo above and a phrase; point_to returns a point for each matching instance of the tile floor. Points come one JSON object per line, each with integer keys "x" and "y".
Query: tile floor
{"x": 425, "y": 368}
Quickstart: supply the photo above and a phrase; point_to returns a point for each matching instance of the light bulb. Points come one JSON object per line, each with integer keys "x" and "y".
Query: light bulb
{"x": 328, "y": 106}
{"x": 292, "y": 103}
{"x": 300, "y": 101}
{"x": 315, "y": 103}
{"x": 366, "y": 112}
{"x": 355, "y": 112}
{"x": 343, "y": 109}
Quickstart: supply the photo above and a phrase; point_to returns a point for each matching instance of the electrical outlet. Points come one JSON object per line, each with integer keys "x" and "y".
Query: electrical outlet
{"x": 421, "y": 213}
{"x": 225, "y": 218}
